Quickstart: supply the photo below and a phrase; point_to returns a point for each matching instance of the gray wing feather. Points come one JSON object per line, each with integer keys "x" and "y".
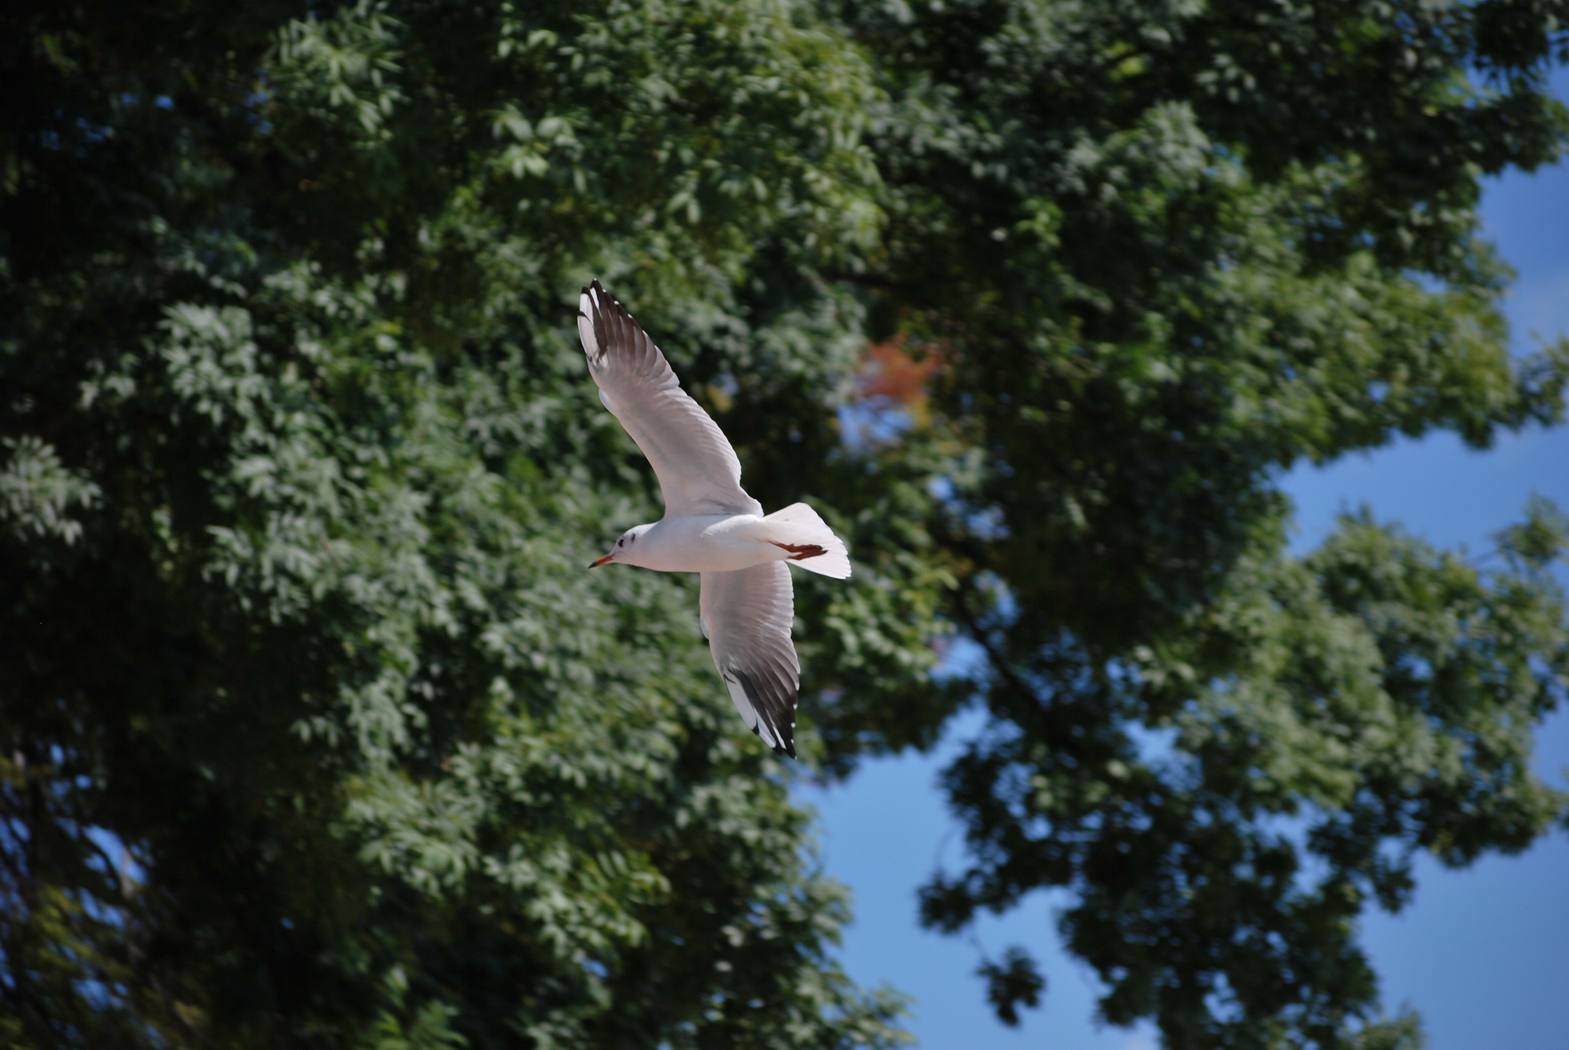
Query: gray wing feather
{"x": 697, "y": 469}
{"x": 746, "y": 615}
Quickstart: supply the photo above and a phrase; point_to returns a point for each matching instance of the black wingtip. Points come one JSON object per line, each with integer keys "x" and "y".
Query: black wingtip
{"x": 786, "y": 748}
{"x": 607, "y": 306}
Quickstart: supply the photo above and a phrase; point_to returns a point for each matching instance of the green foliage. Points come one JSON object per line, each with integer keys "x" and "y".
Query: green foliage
{"x": 1164, "y": 253}
{"x": 313, "y": 731}
{"x": 1317, "y": 723}
{"x": 300, "y": 475}
{"x": 1012, "y": 982}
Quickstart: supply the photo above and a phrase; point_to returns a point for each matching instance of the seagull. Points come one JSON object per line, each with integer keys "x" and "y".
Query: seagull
{"x": 711, "y": 526}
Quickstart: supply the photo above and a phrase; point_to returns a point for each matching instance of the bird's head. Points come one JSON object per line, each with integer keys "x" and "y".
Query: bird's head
{"x": 625, "y": 548}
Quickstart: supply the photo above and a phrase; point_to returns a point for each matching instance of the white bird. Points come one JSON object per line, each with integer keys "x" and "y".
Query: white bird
{"x": 711, "y": 526}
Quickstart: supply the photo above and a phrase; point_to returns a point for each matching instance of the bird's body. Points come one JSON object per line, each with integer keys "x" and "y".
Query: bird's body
{"x": 712, "y": 543}
{"x": 711, "y": 526}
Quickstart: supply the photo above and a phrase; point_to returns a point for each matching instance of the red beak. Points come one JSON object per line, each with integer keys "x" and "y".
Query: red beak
{"x": 600, "y": 561}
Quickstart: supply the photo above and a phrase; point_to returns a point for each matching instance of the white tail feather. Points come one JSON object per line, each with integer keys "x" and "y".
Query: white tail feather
{"x": 799, "y": 525}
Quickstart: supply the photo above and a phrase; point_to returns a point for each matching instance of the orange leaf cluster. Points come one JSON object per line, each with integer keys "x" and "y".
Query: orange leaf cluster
{"x": 889, "y": 372}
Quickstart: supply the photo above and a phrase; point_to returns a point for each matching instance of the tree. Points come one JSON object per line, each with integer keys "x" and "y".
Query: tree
{"x": 1163, "y": 252}
{"x": 315, "y": 733}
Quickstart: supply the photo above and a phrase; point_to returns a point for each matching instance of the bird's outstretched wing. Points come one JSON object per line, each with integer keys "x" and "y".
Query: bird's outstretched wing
{"x": 746, "y": 616}
{"x": 697, "y": 469}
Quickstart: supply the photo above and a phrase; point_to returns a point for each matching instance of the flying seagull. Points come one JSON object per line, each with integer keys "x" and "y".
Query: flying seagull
{"x": 711, "y": 526}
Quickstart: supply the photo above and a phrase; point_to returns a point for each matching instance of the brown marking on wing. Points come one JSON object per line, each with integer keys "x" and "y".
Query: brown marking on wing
{"x": 799, "y": 551}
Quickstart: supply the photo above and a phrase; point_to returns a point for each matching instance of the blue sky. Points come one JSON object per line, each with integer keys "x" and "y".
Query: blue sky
{"x": 1482, "y": 954}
